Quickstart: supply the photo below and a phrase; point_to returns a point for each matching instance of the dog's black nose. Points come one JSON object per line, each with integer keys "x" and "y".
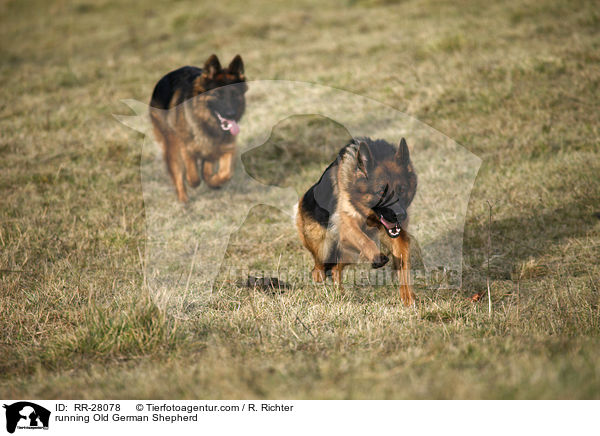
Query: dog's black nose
{"x": 229, "y": 115}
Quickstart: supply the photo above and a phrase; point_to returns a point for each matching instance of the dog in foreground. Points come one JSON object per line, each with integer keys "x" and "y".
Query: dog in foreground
{"x": 195, "y": 118}
{"x": 361, "y": 197}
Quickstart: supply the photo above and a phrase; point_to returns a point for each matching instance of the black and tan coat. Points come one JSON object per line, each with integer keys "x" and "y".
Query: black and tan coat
{"x": 363, "y": 196}
{"x": 195, "y": 118}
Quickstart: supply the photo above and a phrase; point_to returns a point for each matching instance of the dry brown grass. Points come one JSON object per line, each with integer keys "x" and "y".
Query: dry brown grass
{"x": 517, "y": 83}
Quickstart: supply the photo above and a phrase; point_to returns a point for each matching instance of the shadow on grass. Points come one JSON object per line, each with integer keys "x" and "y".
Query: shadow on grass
{"x": 526, "y": 246}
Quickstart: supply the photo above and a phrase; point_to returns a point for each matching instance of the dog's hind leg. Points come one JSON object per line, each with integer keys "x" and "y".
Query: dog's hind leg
{"x": 159, "y": 127}
{"x": 312, "y": 235}
{"x": 320, "y": 270}
{"x": 336, "y": 275}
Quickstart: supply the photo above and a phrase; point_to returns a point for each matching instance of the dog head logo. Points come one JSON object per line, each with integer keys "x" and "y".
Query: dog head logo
{"x": 26, "y": 415}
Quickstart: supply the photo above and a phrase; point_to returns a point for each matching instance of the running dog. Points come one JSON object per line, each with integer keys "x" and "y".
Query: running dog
{"x": 361, "y": 197}
{"x": 195, "y": 116}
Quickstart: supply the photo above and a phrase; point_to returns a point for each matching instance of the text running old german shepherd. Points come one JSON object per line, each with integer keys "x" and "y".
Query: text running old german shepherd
{"x": 362, "y": 195}
{"x": 195, "y": 117}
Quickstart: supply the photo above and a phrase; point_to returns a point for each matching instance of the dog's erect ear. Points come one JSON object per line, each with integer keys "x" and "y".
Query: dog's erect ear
{"x": 211, "y": 67}
{"x": 364, "y": 159}
{"x": 237, "y": 66}
{"x": 402, "y": 155}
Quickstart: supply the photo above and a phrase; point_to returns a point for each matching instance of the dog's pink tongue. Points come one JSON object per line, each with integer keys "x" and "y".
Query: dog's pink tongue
{"x": 234, "y": 127}
{"x": 229, "y": 125}
{"x": 386, "y": 223}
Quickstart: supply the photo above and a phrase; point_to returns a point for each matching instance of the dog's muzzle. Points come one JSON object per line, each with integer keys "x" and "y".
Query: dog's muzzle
{"x": 228, "y": 124}
{"x": 393, "y": 229}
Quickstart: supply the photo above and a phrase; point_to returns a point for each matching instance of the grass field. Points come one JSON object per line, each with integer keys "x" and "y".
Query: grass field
{"x": 516, "y": 83}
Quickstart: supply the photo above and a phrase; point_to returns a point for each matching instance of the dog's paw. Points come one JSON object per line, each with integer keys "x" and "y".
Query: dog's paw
{"x": 318, "y": 275}
{"x": 380, "y": 260}
{"x": 194, "y": 183}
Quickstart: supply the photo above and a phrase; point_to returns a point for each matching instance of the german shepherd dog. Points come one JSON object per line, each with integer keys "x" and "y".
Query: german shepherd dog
{"x": 362, "y": 195}
{"x": 195, "y": 118}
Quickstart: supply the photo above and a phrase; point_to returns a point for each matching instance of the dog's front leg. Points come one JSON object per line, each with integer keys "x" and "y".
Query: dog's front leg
{"x": 191, "y": 167}
{"x": 215, "y": 179}
{"x": 176, "y": 167}
{"x": 351, "y": 235}
{"x": 401, "y": 255}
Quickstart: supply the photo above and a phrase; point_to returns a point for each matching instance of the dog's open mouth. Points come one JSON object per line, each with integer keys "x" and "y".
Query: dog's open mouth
{"x": 228, "y": 125}
{"x": 393, "y": 230}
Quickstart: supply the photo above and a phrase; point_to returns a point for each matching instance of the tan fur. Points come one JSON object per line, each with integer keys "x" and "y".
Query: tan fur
{"x": 354, "y": 227}
{"x": 313, "y": 237}
{"x": 213, "y": 178}
{"x": 400, "y": 250}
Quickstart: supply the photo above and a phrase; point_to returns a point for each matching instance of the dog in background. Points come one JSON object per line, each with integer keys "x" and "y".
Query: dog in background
{"x": 195, "y": 117}
{"x": 363, "y": 195}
